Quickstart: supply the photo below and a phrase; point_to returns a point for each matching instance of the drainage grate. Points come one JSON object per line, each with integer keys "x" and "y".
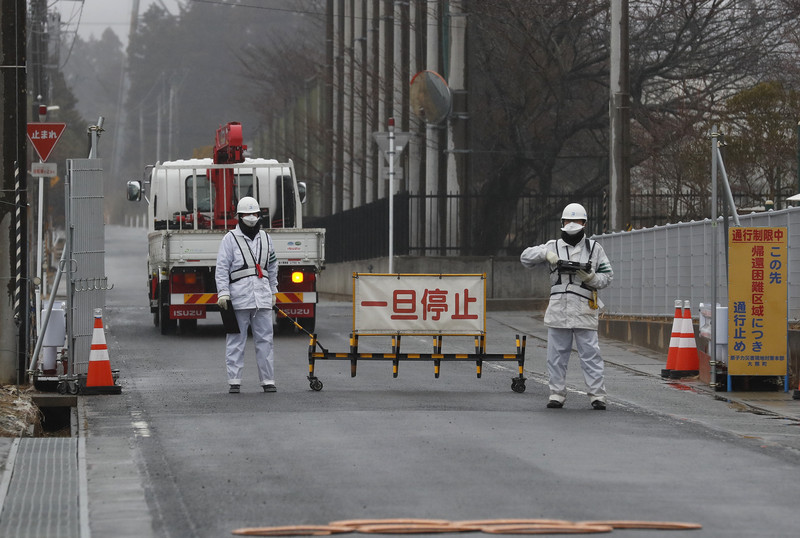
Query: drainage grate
{"x": 42, "y": 497}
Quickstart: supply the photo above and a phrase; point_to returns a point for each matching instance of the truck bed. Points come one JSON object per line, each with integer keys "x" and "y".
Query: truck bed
{"x": 304, "y": 246}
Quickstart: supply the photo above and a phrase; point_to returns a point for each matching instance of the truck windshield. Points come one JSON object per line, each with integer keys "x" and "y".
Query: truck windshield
{"x": 242, "y": 186}
{"x": 203, "y": 193}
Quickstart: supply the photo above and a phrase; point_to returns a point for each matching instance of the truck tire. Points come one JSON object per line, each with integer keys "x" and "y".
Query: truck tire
{"x": 168, "y": 326}
{"x": 284, "y": 326}
{"x": 287, "y": 326}
{"x": 188, "y": 326}
{"x": 308, "y": 324}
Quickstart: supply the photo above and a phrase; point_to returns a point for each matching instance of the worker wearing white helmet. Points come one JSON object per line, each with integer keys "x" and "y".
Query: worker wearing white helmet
{"x": 247, "y": 281}
{"x": 578, "y": 268}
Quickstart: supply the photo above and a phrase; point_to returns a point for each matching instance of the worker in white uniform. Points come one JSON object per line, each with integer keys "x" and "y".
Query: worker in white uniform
{"x": 247, "y": 281}
{"x": 572, "y": 312}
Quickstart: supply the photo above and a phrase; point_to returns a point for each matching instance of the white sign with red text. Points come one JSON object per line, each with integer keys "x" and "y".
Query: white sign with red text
{"x": 387, "y": 304}
{"x": 44, "y": 169}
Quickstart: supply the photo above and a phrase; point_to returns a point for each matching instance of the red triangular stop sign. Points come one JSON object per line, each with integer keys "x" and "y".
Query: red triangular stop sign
{"x": 44, "y": 136}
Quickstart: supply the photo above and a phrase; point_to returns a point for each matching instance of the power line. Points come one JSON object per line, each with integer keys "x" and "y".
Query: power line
{"x": 251, "y": 6}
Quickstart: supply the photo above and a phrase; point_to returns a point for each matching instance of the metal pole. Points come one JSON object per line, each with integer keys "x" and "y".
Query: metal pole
{"x": 40, "y": 237}
{"x": 391, "y": 195}
{"x": 619, "y": 121}
{"x": 727, "y": 185}
{"x": 94, "y": 137}
{"x": 46, "y": 320}
{"x": 68, "y": 228}
{"x": 714, "y": 233}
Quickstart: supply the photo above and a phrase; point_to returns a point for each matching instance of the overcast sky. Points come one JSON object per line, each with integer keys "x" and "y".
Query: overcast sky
{"x": 92, "y": 17}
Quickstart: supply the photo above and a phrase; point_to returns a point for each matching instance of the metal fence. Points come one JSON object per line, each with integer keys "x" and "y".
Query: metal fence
{"x": 85, "y": 257}
{"x": 458, "y": 224}
{"x": 363, "y": 232}
{"x": 655, "y": 266}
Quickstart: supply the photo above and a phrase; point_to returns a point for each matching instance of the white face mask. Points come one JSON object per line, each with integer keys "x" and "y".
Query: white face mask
{"x": 250, "y": 220}
{"x": 572, "y": 228}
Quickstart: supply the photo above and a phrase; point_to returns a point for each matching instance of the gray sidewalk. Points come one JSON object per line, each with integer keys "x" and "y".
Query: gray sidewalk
{"x": 650, "y": 363}
{"x": 645, "y": 362}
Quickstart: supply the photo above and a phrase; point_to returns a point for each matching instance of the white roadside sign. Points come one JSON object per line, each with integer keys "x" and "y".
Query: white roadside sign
{"x": 429, "y": 304}
{"x": 44, "y": 169}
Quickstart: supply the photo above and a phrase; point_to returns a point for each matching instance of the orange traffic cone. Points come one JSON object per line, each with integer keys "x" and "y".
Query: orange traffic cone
{"x": 674, "y": 339}
{"x": 688, "y": 362}
{"x": 99, "y": 379}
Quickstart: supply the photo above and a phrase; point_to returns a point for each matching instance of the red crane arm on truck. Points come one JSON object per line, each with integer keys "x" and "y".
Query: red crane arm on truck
{"x": 228, "y": 149}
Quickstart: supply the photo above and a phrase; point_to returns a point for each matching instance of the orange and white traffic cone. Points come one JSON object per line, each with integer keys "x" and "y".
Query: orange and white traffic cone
{"x": 99, "y": 378}
{"x": 688, "y": 361}
{"x": 674, "y": 339}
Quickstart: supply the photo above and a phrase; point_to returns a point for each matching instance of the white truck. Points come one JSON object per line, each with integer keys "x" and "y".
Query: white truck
{"x": 191, "y": 206}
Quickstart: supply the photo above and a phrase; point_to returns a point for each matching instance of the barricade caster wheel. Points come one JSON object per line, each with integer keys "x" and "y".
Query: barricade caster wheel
{"x": 62, "y": 387}
{"x": 518, "y": 385}
{"x": 315, "y": 384}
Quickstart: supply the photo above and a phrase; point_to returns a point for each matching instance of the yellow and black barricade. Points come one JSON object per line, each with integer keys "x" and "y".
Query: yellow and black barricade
{"x": 435, "y": 305}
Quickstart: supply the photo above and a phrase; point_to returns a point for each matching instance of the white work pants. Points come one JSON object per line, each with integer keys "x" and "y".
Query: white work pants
{"x": 260, "y": 323}
{"x": 559, "y": 347}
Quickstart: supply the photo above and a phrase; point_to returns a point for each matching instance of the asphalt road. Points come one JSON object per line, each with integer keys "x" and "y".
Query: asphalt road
{"x": 373, "y": 446}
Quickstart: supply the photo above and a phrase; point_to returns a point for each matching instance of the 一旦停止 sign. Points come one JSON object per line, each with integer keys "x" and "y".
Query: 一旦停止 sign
{"x": 385, "y": 304}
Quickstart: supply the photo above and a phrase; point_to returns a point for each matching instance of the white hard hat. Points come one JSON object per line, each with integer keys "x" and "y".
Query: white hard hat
{"x": 574, "y": 212}
{"x": 248, "y": 204}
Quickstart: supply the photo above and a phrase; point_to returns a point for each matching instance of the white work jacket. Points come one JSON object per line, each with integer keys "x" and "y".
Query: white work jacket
{"x": 569, "y": 306}
{"x": 248, "y": 290}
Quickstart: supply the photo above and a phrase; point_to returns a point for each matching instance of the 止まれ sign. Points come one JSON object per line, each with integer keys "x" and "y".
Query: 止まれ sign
{"x": 44, "y": 136}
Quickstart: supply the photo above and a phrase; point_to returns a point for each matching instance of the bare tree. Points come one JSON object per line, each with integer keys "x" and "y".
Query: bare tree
{"x": 537, "y": 96}
{"x": 284, "y": 71}
{"x": 540, "y": 79}
{"x": 761, "y": 151}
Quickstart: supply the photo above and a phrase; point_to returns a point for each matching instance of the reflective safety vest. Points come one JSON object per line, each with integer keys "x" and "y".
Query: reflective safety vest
{"x": 251, "y": 267}
{"x": 577, "y": 288}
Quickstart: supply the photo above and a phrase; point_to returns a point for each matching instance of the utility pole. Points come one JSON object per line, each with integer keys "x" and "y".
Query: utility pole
{"x": 619, "y": 116}
{"x": 457, "y": 124}
{"x": 14, "y": 306}
{"x": 327, "y": 144}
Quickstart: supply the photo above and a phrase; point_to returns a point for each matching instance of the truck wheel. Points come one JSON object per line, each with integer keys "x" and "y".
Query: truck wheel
{"x": 188, "y": 326}
{"x": 168, "y": 326}
{"x": 284, "y": 326}
{"x": 308, "y": 324}
{"x": 155, "y": 317}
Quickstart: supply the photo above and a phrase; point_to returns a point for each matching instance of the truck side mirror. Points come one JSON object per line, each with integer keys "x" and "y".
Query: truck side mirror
{"x": 301, "y": 191}
{"x": 134, "y": 191}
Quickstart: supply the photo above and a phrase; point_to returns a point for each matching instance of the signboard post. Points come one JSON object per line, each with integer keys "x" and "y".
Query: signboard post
{"x": 757, "y": 302}
{"x": 391, "y": 143}
{"x": 43, "y": 137}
